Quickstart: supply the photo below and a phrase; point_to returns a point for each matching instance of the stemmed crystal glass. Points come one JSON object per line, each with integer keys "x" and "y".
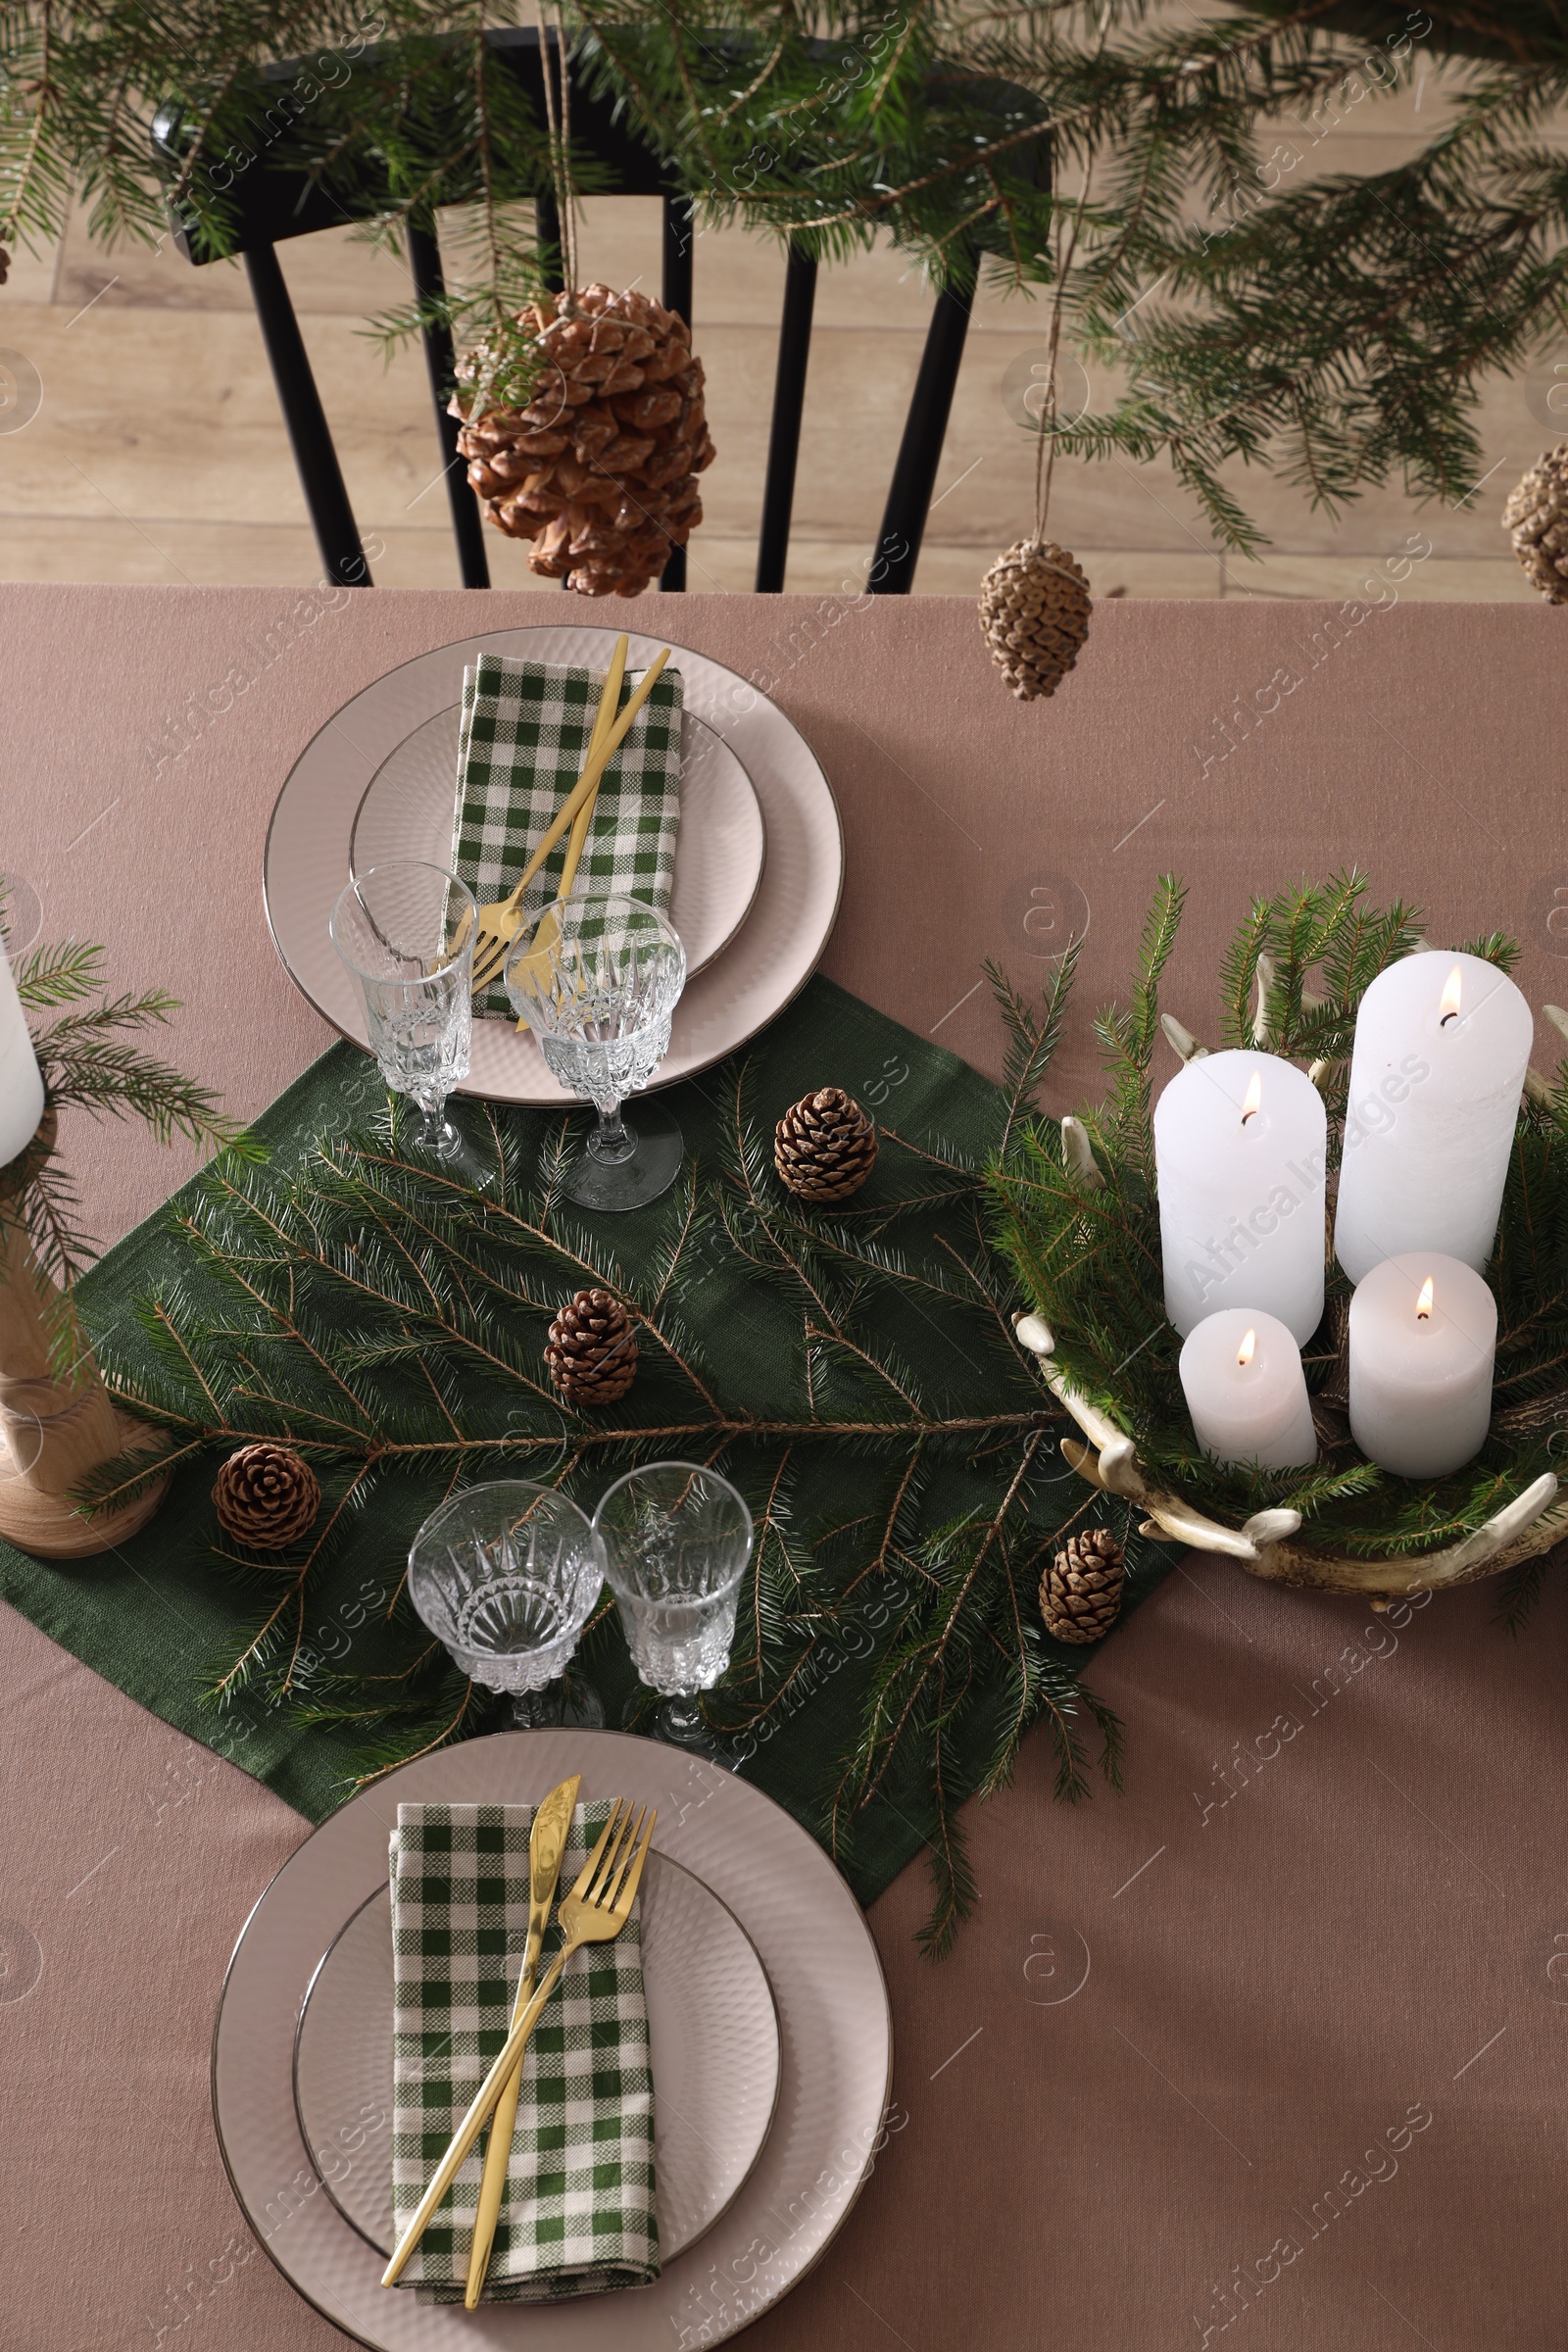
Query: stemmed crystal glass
{"x": 405, "y": 932}
{"x": 506, "y": 1576}
{"x": 597, "y": 977}
{"x": 675, "y": 1540}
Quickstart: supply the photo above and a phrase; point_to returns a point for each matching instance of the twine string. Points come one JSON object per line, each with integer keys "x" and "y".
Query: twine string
{"x": 1045, "y": 466}
{"x": 557, "y": 121}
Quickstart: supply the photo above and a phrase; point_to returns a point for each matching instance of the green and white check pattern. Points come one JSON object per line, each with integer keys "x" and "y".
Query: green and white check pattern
{"x": 524, "y": 739}
{"x": 578, "y": 2212}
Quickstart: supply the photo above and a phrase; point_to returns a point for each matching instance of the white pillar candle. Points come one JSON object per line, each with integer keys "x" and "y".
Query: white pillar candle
{"x": 1441, "y": 1046}
{"x": 1244, "y": 1388}
{"x": 21, "y": 1085}
{"x": 1241, "y": 1144}
{"x": 1423, "y": 1335}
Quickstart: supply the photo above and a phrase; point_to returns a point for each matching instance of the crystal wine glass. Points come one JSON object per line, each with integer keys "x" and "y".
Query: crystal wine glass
{"x": 596, "y": 978}
{"x": 505, "y": 1575}
{"x": 674, "y": 1540}
{"x": 405, "y": 932}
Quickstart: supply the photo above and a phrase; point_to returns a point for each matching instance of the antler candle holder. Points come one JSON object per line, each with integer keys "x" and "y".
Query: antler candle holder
{"x": 57, "y": 1428}
{"x": 1085, "y": 1221}
{"x": 1263, "y": 1545}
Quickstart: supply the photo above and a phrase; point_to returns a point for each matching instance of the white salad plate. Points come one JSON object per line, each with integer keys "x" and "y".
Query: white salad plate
{"x": 712, "y": 2028}
{"x": 769, "y": 960}
{"x": 809, "y": 1937}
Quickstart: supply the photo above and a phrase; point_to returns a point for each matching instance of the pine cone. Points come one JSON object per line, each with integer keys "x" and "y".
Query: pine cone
{"x": 592, "y": 1350}
{"x": 266, "y": 1496}
{"x": 1080, "y": 1591}
{"x": 600, "y": 468}
{"x": 1537, "y": 514}
{"x": 1034, "y": 611}
{"x": 824, "y": 1146}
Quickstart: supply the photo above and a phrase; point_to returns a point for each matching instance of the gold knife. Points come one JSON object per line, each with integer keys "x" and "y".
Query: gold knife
{"x": 547, "y": 1842}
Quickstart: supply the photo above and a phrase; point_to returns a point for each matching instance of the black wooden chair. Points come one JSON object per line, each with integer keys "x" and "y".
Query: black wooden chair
{"x": 276, "y": 203}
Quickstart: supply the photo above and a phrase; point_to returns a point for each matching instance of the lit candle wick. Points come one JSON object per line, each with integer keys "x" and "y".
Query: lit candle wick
{"x": 1423, "y": 1306}
{"x": 1448, "y": 1004}
{"x": 1244, "y": 1354}
{"x": 1253, "y": 1100}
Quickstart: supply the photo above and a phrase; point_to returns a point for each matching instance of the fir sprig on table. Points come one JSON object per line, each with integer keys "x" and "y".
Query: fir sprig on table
{"x": 897, "y": 1448}
{"x": 1089, "y": 1260}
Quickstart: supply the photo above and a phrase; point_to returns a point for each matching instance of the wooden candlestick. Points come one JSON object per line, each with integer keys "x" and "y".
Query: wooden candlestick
{"x": 55, "y": 1431}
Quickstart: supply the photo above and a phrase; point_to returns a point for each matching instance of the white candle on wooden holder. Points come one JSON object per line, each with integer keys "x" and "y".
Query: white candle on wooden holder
{"x": 1441, "y": 1046}
{"x": 21, "y": 1085}
{"x": 1423, "y": 1337}
{"x": 1244, "y": 1388}
{"x": 1241, "y": 1147}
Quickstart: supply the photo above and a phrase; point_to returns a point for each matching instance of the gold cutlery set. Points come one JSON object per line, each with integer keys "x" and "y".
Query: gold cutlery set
{"x": 498, "y": 923}
{"x": 595, "y": 1911}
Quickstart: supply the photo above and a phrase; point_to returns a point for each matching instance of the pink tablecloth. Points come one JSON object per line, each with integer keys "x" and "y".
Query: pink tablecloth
{"x": 1277, "y": 2043}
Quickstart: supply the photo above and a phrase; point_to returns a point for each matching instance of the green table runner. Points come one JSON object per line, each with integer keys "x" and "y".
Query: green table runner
{"x": 157, "y": 1614}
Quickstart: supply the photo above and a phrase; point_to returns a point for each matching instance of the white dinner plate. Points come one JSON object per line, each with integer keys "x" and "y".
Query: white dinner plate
{"x": 835, "y": 2032}
{"x": 770, "y": 960}
{"x": 712, "y": 2028}
{"x": 407, "y": 810}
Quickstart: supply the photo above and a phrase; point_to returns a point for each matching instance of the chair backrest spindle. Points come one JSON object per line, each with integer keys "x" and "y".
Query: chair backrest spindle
{"x": 337, "y": 537}
{"x": 468, "y": 528}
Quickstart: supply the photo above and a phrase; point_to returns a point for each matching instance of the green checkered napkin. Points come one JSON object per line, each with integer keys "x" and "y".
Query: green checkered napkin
{"x": 524, "y": 739}
{"x": 578, "y": 2212}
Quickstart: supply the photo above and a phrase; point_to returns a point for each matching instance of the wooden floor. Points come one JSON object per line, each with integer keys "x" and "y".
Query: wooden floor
{"x": 158, "y": 451}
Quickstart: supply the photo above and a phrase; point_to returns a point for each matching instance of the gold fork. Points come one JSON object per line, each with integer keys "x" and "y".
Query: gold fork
{"x": 500, "y": 922}
{"x": 594, "y": 1912}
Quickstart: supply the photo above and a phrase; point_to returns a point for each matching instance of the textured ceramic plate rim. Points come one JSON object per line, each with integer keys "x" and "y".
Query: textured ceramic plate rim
{"x": 724, "y": 2329}
{"x": 736, "y": 928}
{"x": 554, "y": 1098}
{"x": 666, "y": 1862}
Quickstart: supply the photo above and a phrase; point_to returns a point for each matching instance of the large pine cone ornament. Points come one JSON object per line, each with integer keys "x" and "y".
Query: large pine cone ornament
{"x": 1034, "y": 611}
{"x": 591, "y": 1350}
{"x": 600, "y": 468}
{"x": 1080, "y": 1591}
{"x": 267, "y": 1498}
{"x": 824, "y": 1146}
{"x": 1537, "y": 514}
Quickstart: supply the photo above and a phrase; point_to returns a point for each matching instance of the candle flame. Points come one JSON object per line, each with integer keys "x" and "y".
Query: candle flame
{"x": 1253, "y": 1100}
{"x": 1244, "y": 1354}
{"x": 1423, "y": 1306}
{"x": 1449, "y": 1003}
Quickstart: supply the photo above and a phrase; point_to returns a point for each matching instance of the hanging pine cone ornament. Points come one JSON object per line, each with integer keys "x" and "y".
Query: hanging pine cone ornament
{"x": 599, "y": 468}
{"x": 591, "y": 1350}
{"x": 1034, "y": 611}
{"x": 824, "y": 1146}
{"x": 1080, "y": 1591}
{"x": 266, "y": 1496}
{"x": 1537, "y": 514}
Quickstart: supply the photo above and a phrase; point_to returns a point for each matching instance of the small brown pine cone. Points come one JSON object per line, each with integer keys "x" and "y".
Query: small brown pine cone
{"x": 266, "y": 1496}
{"x": 824, "y": 1146}
{"x": 591, "y": 1350}
{"x": 1034, "y": 613}
{"x": 1081, "y": 1590}
{"x": 1537, "y": 514}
